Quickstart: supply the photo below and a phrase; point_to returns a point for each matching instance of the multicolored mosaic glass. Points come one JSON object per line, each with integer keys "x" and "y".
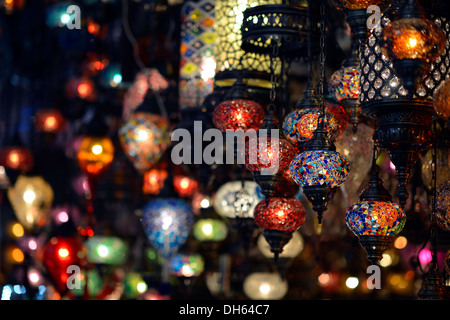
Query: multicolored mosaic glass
{"x": 321, "y": 167}
{"x": 443, "y": 206}
{"x": 197, "y": 64}
{"x": 441, "y": 100}
{"x": 344, "y": 83}
{"x": 300, "y": 124}
{"x": 377, "y": 218}
{"x": 144, "y": 138}
{"x": 238, "y": 114}
{"x": 261, "y": 155}
{"x": 183, "y": 265}
{"x": 280, "y": 213}
{"x": 106, "y": 250}
{"x": 167, "y": 224}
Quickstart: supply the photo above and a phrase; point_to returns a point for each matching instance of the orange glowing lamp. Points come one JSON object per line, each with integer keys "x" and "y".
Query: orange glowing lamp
{"x": 154, "y": 181}
{"x": 50, "y": 121}
{"x": 95, "y": 154}
{"x": 17, "y": 158}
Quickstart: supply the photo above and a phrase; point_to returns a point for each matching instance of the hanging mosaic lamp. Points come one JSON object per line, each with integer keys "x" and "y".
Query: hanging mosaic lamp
{"x": 238, "y": 110}
{"x": 319, "y": 170}
{"x": 279, "y": 217}
{"x": 268, "y": 157}
{"x": 144, "y": 138}
{"x": 167, "y": 224}
{"x": 403, "y": 115}
{"x": 413, "y": 42}
{"x": 375, "y": 219}
{"x": 300, "y": 124}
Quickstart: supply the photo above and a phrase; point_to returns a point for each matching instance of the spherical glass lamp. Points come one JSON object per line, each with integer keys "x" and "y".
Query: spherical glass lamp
{"x": 17, "y": 158}
{"x": 234, "y": 199}
{"x": 31, "y": 199}
{"x": 106, "y": 250}
{"x": 144, "y": 138}
{"x": 279, "y": 217}
{"x": 238, "y": 114}
{"x": 187, "y": 265}
{"x": 441, "y": 100}
{"x": 95, "y": 154}
{"x": 413, "y": 42}
{"x": 208, "y": 229}
{"x": 375, "y": 219}
{"x": 265, "y": 286}
{"x": 167, "y": 224}
{"x": 344, "y": 83}
{"x": 50, "y": 121}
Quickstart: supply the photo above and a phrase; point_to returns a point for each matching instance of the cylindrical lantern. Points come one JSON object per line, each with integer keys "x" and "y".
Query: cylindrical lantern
{"x": 197, "y": 64}
{"x": 228, "y": 53}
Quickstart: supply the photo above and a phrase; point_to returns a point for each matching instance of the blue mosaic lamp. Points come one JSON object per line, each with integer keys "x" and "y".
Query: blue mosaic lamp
{"x": 167, "y": 223}
{"x": 319, "y": 170}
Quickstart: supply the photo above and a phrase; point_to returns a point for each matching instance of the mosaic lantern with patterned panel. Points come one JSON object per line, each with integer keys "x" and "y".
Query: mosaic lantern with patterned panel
{"x": 404, "y": 126}
{"x": 197, "y": 64}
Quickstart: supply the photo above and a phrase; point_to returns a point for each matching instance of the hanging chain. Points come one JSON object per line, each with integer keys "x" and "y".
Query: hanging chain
{"x": 273, "y": 77}
{"x": 322, "y": 58}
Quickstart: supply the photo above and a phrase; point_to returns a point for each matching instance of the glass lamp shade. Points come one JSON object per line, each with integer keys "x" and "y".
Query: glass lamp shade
{"x": 265, "y": 286}
{"x": 231, "y": 200}
{"x": 106, "y": 250}
{"x": 210, "y": 230}
{"x": 344, "y": 83}
{"x": 153, "y": 181}
{"x": 442, "y": 213}
{"x": 185, "y": 186}
{"x": 292, "y": 249}
{"x": 273, "y": 154}
{"x": 238, "y": 114}
{"x": 50, "y": 121}
{"x": 187, "y": 265}
{"x": 16, "y": 158}
{"x": 320, "y": 167}
{"x": 279, "y": 213}
{"x": 441, "y": 100}
{"x": 167, "y": 224}
{"x": 144, "y": 138}
{"x": 375, "y": 218}
{"x": 59, "y": 254}
{"x": 31, "y": 199}
{"x": 95, "y": 154}
{"x": 300, "y": 124}
{"x": 413, "y": 38}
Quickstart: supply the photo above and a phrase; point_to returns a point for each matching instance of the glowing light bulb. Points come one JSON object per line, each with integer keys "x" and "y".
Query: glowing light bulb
{"x": 63, "y": 253}
{"x": 97, "y": 149}
{"x": 400, "y": 242}
{"x": 32, "y": 244}
{"x": 14, "y": 157}
{"x": 324, "y": 279}
{"x": 264, "y": 288}
{"x": 207, "y": 229}
{"x": 65, "y": 18}
{"x": 103, "y": 251}
{"x": 141, "y": 287}
{"x": 29, "y": 196}
{"x": 17, "y": 255}
{"x": 352, "y": 282}
{"x": 184, "y": 183}
{"x": 50, "y": 122}
{"x": 412, "y": 42}
{"x": 142, "y": 135}
{"x": 63, "y": 217}
{"x": 17, "y": 230}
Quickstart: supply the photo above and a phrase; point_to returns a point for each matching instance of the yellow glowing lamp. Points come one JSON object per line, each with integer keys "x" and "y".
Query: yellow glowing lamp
{"x": 95, "y": 154}
{"x": 31, "y": 198}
